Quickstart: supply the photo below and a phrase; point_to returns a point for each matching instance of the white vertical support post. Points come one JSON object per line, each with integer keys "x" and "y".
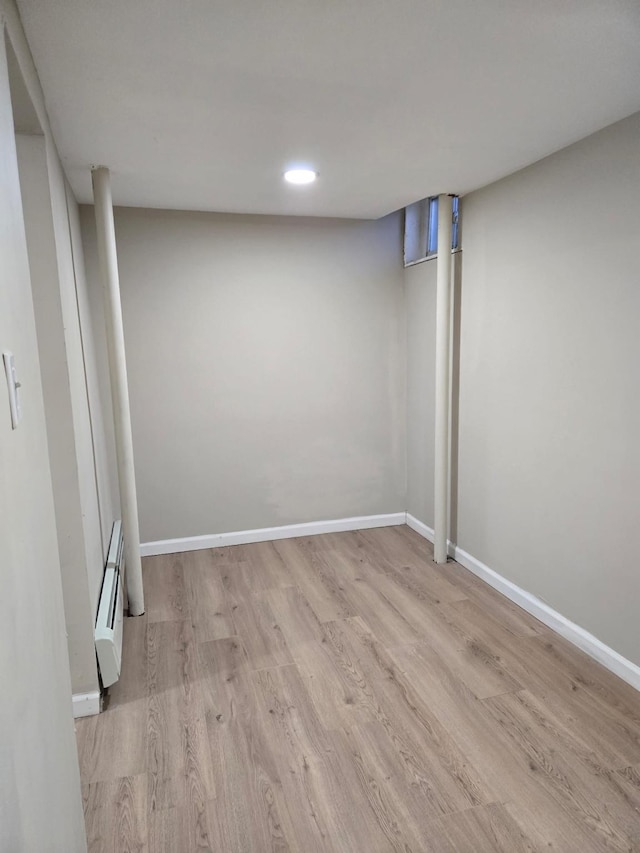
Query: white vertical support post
{"x": 443, "y": 379}
{"x": 108, "y": 262}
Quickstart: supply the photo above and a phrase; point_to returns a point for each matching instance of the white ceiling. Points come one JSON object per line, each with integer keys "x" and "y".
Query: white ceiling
{"x": 201, "y": 104}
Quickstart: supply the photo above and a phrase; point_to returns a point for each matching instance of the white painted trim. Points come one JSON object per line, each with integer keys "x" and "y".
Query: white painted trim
{"x": 420, "y": 527}
{"x": 85, "y": 704}
{"x": 407, "y": 264}
{"x": 267, "y": 534}
{"x": 595, "y": 648}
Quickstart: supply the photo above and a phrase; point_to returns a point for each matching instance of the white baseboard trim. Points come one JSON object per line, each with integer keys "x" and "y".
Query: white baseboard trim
{"x": 268, "y": 534}
{"x": 595, "y": 648}
{"x": 85, "y": 704}
{"x": 420, "y": 527}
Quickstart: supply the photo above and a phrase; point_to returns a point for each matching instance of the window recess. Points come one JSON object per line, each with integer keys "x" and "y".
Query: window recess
{"x": 421, "y": 229}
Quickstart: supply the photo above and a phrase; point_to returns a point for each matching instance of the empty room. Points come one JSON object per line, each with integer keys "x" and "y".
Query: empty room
{"x": 319, "y": 418}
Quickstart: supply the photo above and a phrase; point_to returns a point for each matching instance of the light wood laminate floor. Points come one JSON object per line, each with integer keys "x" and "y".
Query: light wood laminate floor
{"x": 343, "y": 693}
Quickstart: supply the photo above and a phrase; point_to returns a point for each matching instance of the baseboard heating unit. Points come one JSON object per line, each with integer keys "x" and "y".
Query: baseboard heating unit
{"x": 110, "y": 611}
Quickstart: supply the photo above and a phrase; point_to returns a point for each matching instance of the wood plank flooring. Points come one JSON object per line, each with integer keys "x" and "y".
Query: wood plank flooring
{"x": 344, "y": 693}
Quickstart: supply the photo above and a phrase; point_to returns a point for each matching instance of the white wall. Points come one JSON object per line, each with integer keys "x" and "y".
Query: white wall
{"x": 265, "y": 360}
{"x": 420, "y": 296}
{"x": 548, "y": 460}
{"x": 40, "y": 802}
{"x": 75, "y": 421}
{"x": 54, "y": 360}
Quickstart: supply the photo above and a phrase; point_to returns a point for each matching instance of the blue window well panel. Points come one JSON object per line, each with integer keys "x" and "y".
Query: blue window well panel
{"x": 432, "y": 237}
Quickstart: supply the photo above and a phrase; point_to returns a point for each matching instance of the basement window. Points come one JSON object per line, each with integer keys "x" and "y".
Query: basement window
{"x": 421, "y": 229}
{"x": 456, "y": 222}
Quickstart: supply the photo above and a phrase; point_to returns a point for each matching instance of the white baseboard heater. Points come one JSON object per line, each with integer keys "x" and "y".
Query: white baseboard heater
{"x": 110, "y": 611}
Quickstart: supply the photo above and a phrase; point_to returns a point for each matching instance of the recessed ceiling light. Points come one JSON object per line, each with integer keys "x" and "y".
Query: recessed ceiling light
{"x": 300, "y": 176}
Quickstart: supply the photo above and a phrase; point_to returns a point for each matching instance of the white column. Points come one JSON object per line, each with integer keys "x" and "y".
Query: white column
{"x": 108, "y": 261}
{"x": 443, "y": 379}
